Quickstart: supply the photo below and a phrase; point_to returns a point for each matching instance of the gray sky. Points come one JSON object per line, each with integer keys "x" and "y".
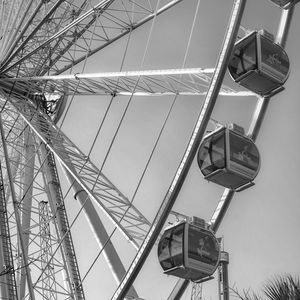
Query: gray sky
{"x": 260, "y": 229}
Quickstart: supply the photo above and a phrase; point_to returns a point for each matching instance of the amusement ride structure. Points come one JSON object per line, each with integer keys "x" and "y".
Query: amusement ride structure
{"x": 44, "y": 47}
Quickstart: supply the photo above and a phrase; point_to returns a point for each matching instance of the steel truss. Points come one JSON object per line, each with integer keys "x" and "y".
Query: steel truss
{"x": 39, "y": 41}
{"x": 34, "y": 178}
{"x": 53, "y": 36}
{"x": 9, "y": 289}
{"x": 49, "y": 37}
{"x": 146, "y": 83}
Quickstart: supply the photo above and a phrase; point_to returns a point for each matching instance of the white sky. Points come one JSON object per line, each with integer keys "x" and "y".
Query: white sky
{"x": 260, "y": 229}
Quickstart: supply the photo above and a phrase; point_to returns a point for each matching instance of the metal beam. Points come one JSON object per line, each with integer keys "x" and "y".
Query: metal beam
{"x": 189, "y": 154}
{"x": 122, "y": 34}
{"x": 223, "y": 276}
{"x": 256, "y": 122}
{"x": 44, "y": 257}
{"x": 284, "y": 26}
{"x": 12, "y": 38}
{"x": 257, "y": 119}
{"x": 8, "y": 286}
{"x": 112, "y": 258}
{"x": 32, "y": 33}
{"x": 190, "y": 81}
{"x": 128, "y": 219}
{"x": 73, "y": 40}
{"x": 58, "y": 209}
{"x": 17, "y": 214}
{"x": 28, "y": 176}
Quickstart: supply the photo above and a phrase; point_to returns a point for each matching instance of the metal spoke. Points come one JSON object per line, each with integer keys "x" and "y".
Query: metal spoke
{"x": 58, "y": 35}
{"x": 148, "y": 83}
{"x": 98, "y": 187}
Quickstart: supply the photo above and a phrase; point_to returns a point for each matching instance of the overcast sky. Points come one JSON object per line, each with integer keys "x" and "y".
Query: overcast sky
{"x": 260, "y": 229}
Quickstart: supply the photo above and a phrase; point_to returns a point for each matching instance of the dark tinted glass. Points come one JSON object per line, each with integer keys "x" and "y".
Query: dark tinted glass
{"x": 243, "y": 152}
{"x": 218, "y": 151}
{"x": 202, "y": 246}
{"x": 211, "y": 155}
{"x": 164, "y": 255}
{"x": 170, "y": 248}
{"x": 274, "y": 56}
{"x": 204, "y": 158}
{"x": 244, "y": 57}
{"x": 177, "y": 245}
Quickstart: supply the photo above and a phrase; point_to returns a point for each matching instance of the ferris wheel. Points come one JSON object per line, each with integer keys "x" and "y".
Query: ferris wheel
{"x": 67, "y": 229}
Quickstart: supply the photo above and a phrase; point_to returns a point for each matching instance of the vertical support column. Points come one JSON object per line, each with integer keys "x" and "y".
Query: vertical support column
{"x": 196, "y": 291}
{"x": 223, "y": 276}
{"x": 17, "y": 214}
{"x": 284, "y": 26}
{"x": 27, "y": 178}
{"x": 58, "y": 208}
{"x": 112, "y": 258}
{"x": 48, "y": 277}
{"x": 4, "y": 284}
{"x": 189, "y": 154}
{"x": 8, "y": 287}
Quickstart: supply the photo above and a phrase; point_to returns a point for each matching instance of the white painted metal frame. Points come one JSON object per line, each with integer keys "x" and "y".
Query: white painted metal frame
{"x": 27, "y": 57}
{"x": 137, "y": 83}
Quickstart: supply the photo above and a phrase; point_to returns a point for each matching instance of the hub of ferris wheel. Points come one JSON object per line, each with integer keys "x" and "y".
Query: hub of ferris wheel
{"x": 52, "y": 103}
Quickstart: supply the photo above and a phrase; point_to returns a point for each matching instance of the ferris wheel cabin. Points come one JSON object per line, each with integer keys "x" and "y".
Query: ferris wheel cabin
{"x": 188, "y": 250}
{"x": 229, "y": 158}
{"x": 285, "y": 4}
{"x": 259, "y": 64}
